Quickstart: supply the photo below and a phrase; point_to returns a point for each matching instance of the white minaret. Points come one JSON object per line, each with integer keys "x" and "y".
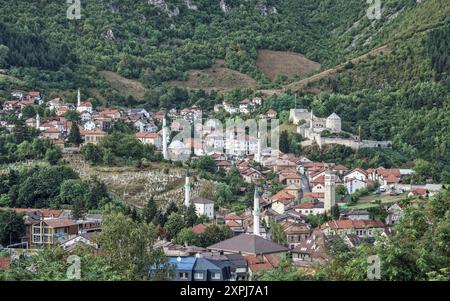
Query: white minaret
{"x": 311, "y": 125}
{"x": 258, "y": 152}
{"x": 330, "y": 190}
{"x": 187, "y": 192}
{"x": 165, "y": 152}
{"x": 38, "y": 121}
{"x": 256, "y": 213}
{"x": 78, "y": 98}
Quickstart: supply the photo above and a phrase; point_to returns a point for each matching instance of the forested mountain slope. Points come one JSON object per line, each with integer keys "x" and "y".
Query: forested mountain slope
{"x": 158, "y": 40}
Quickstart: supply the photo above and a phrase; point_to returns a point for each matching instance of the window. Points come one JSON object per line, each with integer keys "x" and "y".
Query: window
{"x": 184, "y": 276}
{"x": 36, "y": 238}
{"x": 198, "y": 276}
{"x": 36, "y": 230}
{"x": 215, "y": 276}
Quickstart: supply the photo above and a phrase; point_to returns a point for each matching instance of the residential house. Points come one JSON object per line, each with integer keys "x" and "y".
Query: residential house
{"x": 85, "y": 106}
{"x": 282, "y": 201}
{"x": 395, "y": 213}
{"x": 150, "y": 138}
{"x": 251, "y": 175}
{"x": 308, "y": 208}
{"x": 295, "y": 232}
{"x": 94, "y": 136}
{"x": 355, "y": 180}
{"x": 235, "y": 223}
{"x": 271, "y": 114}
{"x": 361, "y": 228}
{"x": 312, "y": 250}
{"x": 204, "y": 207}
{"x": 52, "y": 231}
{"x": 355, "y": 214}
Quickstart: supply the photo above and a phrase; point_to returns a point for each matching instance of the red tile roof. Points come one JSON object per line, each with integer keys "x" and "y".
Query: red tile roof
{"x": 314, "y": 195}
{"x": 146, "y": 135}
{"x": 199, "y": 229}
{"x": 352, "y": 224}
{"x": 283, "y": 196}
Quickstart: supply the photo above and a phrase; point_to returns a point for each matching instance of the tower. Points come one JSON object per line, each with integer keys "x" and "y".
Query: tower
{"x": 187, "y": 191}
{"x": 311, "y": 122}
{"x": 38, "y": 121}
{"x": 258, "y": 151}
{"x": 165, "y": 152}
{"x": 330, "y": 190}
{"x": 256, "y": 213}
{"x": 78, "y": 98}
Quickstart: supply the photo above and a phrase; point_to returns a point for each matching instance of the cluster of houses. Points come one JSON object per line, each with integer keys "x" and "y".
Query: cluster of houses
{"x": 307, "y": 189}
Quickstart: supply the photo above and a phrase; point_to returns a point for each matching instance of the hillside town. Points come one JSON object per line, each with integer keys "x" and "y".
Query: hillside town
{"x": 309, "y": 209}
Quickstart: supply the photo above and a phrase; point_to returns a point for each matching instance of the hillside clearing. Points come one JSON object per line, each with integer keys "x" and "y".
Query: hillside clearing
{"x": 124, "y": 85}
{"x": 290, "y": 64}
{"x": 218, "y": 77}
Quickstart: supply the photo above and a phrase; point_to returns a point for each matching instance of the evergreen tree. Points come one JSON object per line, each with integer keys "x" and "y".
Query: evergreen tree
{"x": 284, "y": 142}
{"x": 191, "y": 216}
{"x": 150, "y": 211}
{"x": 20, "y": 131}
{"x": 75, "y": 136}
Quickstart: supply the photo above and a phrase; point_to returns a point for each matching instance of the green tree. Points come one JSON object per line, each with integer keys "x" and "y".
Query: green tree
{"x": 187, "y": 237}
{"x": 20, "y": 131}
{"x": 150, "y": 210}
{"x": 75, "y": 136}
{"x": 277, "y": 233}
{"x": 174, "y": 224}
{"x": 214, "y": 234}
{"x": 72, "y": 115}
{"x": 335, "y": 212}
{"x": 12, "y": 227}
{"x": 92, "y": 153}
{"x": 284, "y": 142}
{"x": 128, "y": 247}
{"x": 190, "y": 217}
{"x": 53, "y": 155}
{"x": 3, "y": 56}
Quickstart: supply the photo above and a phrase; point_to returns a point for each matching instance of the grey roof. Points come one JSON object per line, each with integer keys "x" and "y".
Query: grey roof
{"x": 199, "y": 200}
{"x": 237, "y": 260}
{"x": 248, "y": 244}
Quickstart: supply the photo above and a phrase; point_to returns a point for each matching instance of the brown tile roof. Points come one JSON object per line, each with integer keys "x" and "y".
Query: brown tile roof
{"x": 199, "y": 229}
{"x": 314, "y": 195}
{"x": 283, "y": 196}
{"x": 146, "y": 135}
{"x": 352, "y": 224}
{"x": 59, "y": 223}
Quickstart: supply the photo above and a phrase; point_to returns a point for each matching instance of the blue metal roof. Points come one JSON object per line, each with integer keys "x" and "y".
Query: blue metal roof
{"x": 185, "y": 263}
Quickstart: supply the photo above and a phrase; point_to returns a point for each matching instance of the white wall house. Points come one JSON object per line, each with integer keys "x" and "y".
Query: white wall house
{"x": 204, "y": 207}
{"x": 355, "y": 180}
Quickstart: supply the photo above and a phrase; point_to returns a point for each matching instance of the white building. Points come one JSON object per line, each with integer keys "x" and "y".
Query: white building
{"x": 355, "y": 180}
{"x": 204, "y": 207}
